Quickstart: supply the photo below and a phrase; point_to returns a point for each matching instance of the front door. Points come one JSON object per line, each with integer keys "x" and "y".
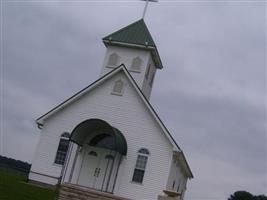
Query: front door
{"x": 89, "y": 168}
{"x": 105, "y": 171}
{"x": 96, "y": 168}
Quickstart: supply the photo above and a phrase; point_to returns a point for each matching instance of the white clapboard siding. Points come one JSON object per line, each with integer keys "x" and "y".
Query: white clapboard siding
{"x": 128, "y": 114}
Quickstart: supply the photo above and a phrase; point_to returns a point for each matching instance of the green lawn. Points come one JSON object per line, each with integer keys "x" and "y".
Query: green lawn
{"x": 15, "y": 187}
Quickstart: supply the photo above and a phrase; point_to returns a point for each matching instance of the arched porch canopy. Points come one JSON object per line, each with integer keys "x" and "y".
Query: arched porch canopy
{"x": 89, "y": 127}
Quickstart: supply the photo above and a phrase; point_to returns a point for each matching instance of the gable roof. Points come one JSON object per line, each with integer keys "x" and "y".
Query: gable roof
{"x": 135, "y": 35}
{"x": 41, "y": 119}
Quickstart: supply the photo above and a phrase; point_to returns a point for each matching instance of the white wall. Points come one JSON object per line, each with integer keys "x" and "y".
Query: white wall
{"x": 43, "y": 162}
{"x": 43, "y": 178}
{"x": 128, "y": 114}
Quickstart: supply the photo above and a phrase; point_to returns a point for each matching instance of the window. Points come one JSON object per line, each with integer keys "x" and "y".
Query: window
{"x": 62, "y": 149}
{"x": 140, "y": 165}
{"x": 143, "y": 151}
{"x": 178, "y": 187}
{"x": 92, "y": 153}
{"x": 109, "y": 157}
{"x": 182, "y": 193}
{"x": 147, "y": 71}
{"x": 113, "y": 59}
{"x": 103, "y": 141}
{"x": 173, "y": 184}
{"x": 152, "y": 79}
{"x": 65, "y": 135}
{"x": 136, "y": 64}
{"x": 118, "y": 87}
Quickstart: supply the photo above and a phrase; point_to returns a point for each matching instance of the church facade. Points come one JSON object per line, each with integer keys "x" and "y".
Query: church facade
{"x": 108, "y": 137}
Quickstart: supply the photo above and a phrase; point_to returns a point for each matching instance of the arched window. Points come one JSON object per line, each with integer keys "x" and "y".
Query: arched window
{"x": 143, "y": 151}
{"x": 62, "y": 148}
{"x": 103, "y": 141}
{"x": 118, "y": 87}
{"x": 92, "y": 153}
{"x": 65, "y": 135}
{"x": 136, "y": 64}
{"x": 140, "y": 165}
{"x": 113, "y": 60}
{"x": 109, "y": 157}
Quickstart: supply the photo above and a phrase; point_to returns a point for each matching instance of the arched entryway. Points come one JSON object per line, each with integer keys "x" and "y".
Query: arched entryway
{"x": 101, "y": 149}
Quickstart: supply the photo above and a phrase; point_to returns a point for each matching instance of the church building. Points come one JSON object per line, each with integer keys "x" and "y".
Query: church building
{"x": 107, "y": 137}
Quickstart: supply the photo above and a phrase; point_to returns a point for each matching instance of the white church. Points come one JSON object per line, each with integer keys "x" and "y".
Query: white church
{"x": 107, "y": 138}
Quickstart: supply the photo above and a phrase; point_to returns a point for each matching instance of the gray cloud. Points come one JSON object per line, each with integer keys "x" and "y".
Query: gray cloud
{"x": 211, "y": 93}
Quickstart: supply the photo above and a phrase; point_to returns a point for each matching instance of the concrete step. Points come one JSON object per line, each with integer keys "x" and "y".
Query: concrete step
{"x": 75, "y": 192}
{"x": 77, "y": 196}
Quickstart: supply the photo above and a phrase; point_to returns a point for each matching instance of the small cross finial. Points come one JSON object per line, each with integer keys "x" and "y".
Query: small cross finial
{"x": 144, "y": 13}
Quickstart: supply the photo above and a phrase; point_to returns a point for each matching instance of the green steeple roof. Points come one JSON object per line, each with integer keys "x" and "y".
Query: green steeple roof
{"x": 135, "y": 35}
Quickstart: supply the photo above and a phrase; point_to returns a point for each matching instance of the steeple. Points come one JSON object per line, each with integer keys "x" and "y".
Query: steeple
{"x": 134, "y": 47}
{"x": 135, "y": 35}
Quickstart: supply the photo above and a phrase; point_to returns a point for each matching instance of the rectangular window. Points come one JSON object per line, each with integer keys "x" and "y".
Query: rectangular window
{"x": 147, "y": 71}
{"x": 62, "y": 151}
{"x": 152, "y": 79}
{"x": 139, "y": 170}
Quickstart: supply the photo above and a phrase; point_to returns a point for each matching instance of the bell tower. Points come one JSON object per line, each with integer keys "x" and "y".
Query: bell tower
{"x": 134, "y": 47}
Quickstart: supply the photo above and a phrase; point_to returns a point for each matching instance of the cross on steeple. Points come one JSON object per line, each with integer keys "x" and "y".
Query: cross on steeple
{"x": 144, "y": 13}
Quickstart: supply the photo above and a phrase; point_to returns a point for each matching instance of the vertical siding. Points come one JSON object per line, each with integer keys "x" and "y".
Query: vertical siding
{"x": 128, "y": 114}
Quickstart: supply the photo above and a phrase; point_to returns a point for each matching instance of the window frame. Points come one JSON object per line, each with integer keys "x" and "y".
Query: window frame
{"x": 148, "y": 71}
{"x": 142, "y": 159}
{"x": 152, "y": 79}
{"x": 65, "y": 137}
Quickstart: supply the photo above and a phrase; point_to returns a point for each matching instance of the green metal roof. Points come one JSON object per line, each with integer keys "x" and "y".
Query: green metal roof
{"x": 89, "y": 127}
{"x": 135, "y": 35}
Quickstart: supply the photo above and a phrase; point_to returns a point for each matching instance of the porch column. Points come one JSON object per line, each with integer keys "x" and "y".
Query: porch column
{"x": 65, "y": 164}
{"x": 73, "y": 164}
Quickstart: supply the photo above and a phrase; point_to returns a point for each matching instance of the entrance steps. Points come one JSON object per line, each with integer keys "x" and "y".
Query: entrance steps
{"x": 69, "y": 191}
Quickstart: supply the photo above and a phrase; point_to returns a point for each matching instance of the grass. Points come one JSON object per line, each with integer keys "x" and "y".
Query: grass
{"x": 14, "y": 187}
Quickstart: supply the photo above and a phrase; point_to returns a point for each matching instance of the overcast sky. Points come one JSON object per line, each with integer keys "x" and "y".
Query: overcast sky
{"x": 210, "y": 93}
